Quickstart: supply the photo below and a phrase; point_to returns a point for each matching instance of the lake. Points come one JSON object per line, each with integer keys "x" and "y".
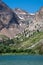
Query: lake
{"x": 21, "y": 60}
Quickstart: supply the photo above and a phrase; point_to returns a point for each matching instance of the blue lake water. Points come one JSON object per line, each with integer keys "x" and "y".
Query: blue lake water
{"x": 21, "y": 60}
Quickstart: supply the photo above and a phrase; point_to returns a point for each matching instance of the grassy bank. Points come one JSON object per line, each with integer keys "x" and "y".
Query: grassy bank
{"x": 20, "y": 45}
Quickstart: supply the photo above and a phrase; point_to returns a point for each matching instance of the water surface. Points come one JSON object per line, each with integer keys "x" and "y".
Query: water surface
{"x": 21, "y": 60}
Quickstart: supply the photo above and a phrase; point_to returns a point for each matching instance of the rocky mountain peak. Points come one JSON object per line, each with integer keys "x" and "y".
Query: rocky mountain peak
{"x": 7, "y": 16}
{"x": 22, "y": 14}
{"x": 20, "y": 11}
{"x": 39, "y": 14}
{"x": 41, "y": 9}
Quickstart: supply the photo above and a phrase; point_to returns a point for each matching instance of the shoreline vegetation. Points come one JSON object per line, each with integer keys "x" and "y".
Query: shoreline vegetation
{"x": 22, "y": 45}
{"x": 8, "y": 54}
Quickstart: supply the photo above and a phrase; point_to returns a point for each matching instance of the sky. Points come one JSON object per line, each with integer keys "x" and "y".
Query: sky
{"x": 31, "y": 6}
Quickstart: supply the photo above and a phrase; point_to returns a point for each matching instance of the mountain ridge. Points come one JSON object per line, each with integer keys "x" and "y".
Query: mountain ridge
{"x": 17, "y": 20}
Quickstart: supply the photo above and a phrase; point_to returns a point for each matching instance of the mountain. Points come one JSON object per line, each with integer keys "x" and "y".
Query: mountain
{"x": 31, "y": 21}
{"x": 8, "y": 19}
{"x": 21, "y": 13}
{"x": 13, "y": 22}
{"x": 20, "y": 31}
{"x": 25, "y": 18}
{"x": 39, "y": 18}
{"x": 6, "y": 14}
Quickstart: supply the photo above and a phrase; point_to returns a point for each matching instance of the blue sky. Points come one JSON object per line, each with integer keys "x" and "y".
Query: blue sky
{"x": 29, "y": 5}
